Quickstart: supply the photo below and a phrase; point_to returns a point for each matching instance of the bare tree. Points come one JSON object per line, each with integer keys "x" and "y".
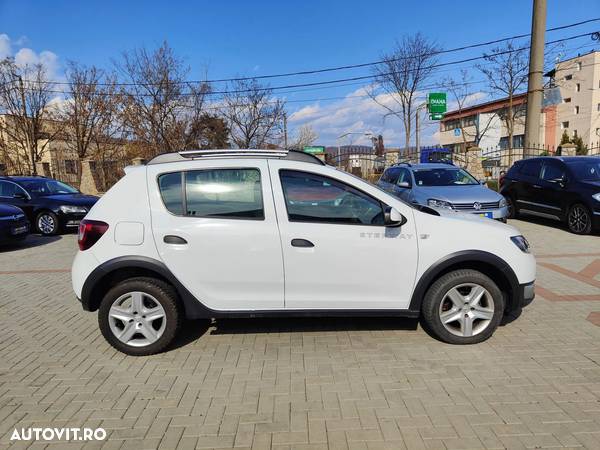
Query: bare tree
{"x": 28, "y": 125}
{"x": 160, "y": 108}
{"x": 254, "y": 117}
{"x": 506, "y": 71}
{"x": 472, "y": 129}
{"x": 89, "y": 108}
{"x": 305, "y": 136}
{"x": 401, "y": 75}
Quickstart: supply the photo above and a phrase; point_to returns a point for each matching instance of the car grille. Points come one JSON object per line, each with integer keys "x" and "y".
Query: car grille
{"x": 471, "y": 206}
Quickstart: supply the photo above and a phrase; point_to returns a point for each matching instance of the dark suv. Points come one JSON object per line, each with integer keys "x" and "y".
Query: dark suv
{"x": 50, "y": 205}
{"x": 561, "y": 188}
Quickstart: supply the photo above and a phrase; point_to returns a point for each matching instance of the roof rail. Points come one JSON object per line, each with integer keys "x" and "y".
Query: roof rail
{"x": 200, "y": 153}
{"x": 403, "y": 163}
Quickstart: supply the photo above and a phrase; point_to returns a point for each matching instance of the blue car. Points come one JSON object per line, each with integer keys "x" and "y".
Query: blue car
{"x": 443, "y": 186}
{"x": 14, "y": 226}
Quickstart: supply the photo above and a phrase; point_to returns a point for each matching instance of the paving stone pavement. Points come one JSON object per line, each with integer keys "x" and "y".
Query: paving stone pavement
{"x": 356, "y": 384}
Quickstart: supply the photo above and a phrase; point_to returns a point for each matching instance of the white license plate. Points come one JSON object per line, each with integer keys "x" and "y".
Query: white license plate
{"x": 489, "y": 215}
{"x": 19, "y": 230}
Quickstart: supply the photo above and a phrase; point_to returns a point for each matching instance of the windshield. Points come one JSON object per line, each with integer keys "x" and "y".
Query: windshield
{"x": 586, "y": 170}
{"x": 41, "y": 188}
{"x": 443, "y": 177}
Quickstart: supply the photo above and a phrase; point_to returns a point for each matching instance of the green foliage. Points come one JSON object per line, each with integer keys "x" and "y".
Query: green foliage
{"x": 565, "y": 138}
{"x": 581, "y": 147}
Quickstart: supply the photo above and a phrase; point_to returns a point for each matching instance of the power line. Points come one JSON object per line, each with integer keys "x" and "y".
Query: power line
{"x": 344, "y": 67}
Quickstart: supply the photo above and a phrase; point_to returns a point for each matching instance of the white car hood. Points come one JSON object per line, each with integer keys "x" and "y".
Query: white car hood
{"x": 451, "y": 214}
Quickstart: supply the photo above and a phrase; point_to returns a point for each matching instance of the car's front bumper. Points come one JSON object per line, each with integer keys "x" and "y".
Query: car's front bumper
{"x": 14, "y": 230}
{"x": 70, "y": 220}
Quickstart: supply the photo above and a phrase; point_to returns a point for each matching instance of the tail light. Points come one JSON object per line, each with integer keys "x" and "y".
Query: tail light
{"x": 89, "y": 233}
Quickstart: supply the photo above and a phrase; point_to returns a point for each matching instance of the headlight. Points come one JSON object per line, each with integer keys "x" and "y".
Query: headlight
{"x": 596, "y": 197}
{"x": 521, "y": 242}
{"x": 439, "y": 203}
{"x": 502, "y": 203}
{"x": 67, "y": 209}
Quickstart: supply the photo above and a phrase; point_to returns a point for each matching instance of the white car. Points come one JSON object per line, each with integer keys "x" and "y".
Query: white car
{"x": 251, "y": 233}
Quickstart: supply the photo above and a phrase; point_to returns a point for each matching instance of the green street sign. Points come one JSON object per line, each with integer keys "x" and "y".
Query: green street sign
{"x": 436, "y": 102}
{"x": 436, "y": 116}
{"x": 314, "y": 149}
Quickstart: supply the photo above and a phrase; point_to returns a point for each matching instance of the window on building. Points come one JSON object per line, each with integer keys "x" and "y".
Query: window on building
{"x": 579, "y": 66}
{"x": 70, "y": 167}
{"x": 574, "y": 133}
{"x": 578, "y": 87}
{"x": 564, "y": 125}
{"x": 598, "y": 107}
{"x": 576, "y": 110}
{"x": 568, "y": 77}
{"x": 567, "y": 100}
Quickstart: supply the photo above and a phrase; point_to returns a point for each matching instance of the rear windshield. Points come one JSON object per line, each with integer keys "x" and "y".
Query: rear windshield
{"x": 586, "y": 170}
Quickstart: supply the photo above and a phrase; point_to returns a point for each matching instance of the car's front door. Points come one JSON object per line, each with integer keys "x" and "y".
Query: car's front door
{"x": 215, "y": 228}
{"x": 337, "y": 252}
{"x": 13, "y": 194}
{"x": 552, "y": 195}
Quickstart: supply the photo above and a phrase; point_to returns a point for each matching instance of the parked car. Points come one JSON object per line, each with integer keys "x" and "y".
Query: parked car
{"x": 51, "y": 205}
{"x": 14, "y": 226}
{"x": 561, "y": 188}
{"x": 212, "y": 234}
{"x": 443, "y": 186}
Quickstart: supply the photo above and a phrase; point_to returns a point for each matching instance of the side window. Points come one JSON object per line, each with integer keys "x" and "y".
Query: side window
{"x": 224, "y": 193}
{"x": 404, "y": 177}
{"x": 314, "y": 198}
{"x": 552, "y": 171}
{"x": 7, "y": 189}
{"x": 169, "y": 185}
{"x": 531, "y": 168}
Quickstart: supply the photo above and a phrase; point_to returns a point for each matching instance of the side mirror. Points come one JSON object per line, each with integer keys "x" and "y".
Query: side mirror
{"x": 393, "y": 218}
{"x": 20, "y": 195}
{"x": 403, "y": 184}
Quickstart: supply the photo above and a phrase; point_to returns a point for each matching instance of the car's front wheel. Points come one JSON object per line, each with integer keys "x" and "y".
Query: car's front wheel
{"x": 140, "y": 316}
{"x": 47, "y": 223}
{"x": 579, "y": 219}
{"x": 463, "y": 307}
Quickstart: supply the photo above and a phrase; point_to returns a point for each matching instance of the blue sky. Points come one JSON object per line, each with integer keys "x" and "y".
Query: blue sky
{"x": 230, "y": 38}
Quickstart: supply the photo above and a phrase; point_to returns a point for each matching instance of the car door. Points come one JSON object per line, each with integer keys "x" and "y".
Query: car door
{"x": 403, "y": 184}
{"x": 215, "y": 228}
{"x": 15, "y": 195}
{"x": 528, "y": 187}
{"x": 552, "y": 195}
{"x": 388, "y": 179}
{"x": 337, "y": 253}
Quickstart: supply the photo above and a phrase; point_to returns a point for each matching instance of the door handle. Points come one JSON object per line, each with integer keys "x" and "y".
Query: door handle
{"x": 537, "y": 186}
{"x": 171, "y": 239}
{"x": 303, "y": 243}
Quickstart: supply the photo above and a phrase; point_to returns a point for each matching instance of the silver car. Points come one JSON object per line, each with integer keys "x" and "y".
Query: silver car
{"x": 443, "y": 186}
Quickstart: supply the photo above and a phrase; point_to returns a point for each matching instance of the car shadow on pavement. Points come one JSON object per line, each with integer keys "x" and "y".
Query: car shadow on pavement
{"x": 308, "y": 324}
{"x": 33, "y": 240}
{"x": 550, "y": 223}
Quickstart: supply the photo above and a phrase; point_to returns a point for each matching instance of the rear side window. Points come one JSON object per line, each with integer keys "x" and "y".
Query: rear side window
{"x": 552, "y": 171}
{"x": 7, "y": 189}
{"x": 391, "y": 176}
{"x": 531, "y": 168}
{"x": 221, "y": 193}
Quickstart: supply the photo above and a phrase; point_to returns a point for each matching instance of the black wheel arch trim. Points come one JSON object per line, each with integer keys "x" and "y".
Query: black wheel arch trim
{"x": 467, "y": 257}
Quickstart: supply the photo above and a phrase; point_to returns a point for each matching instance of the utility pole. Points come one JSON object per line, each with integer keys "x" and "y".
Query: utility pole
{"x": 285, "y": 140}
{"x": 536, "y": 68}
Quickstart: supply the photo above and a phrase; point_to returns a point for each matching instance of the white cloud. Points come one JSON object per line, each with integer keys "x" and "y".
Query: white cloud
{"x": 5, "y": 46}
{"x": 359, "y": 113}
{"x": 24, "y": 55}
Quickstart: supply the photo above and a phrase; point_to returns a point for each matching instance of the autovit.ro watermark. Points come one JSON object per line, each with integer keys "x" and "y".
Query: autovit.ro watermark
{"x": 58, "y": 434}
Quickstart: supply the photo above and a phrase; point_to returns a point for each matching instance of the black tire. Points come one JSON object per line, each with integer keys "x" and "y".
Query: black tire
{"x": 163, "y": 293}
{"x": 43, "y": 219}
{"x": 513, "y": 213}
{"x": 436, "y": 294}
{"x": 579, "y": 219}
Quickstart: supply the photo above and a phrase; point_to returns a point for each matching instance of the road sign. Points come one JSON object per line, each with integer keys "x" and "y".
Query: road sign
{"x": 436, "y": 116}
{"x": 314, "y": 149}
{"x": 436, "y": 102}
{"x": 457, "y": 132}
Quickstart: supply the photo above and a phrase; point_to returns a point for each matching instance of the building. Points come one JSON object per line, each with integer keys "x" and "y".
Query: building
{"x": 575, "y": 108}
{"x": 571, "y": 104}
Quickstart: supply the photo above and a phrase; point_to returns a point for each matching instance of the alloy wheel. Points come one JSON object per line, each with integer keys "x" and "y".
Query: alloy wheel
{"x": 578, "y": 219}
{"x": 466, "y": 310}
{"x": 46, "y": 224}
{"x": 137, "y": 319}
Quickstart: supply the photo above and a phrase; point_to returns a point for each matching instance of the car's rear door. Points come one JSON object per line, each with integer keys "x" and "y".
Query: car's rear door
{"x": 528, "y": 187}
{"x": 337, "y": 253}
{"x": 215, "y": 228}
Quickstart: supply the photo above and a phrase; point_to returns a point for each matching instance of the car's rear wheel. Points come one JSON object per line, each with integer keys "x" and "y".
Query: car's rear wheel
{"x": 579, "y": 219}
{"x": 512, "y": 208}
{"x": 463, "y": 307}
{"x": 47, "y": 223}
{"x": 140, "y": 316}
